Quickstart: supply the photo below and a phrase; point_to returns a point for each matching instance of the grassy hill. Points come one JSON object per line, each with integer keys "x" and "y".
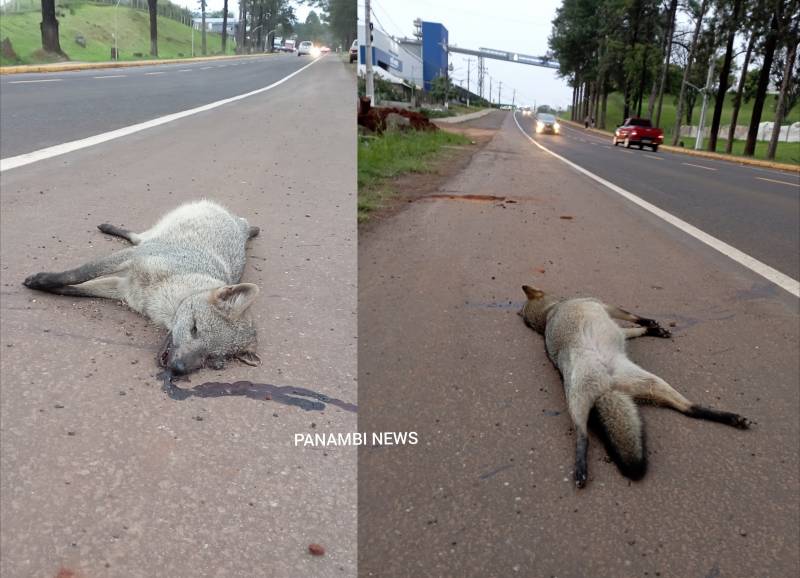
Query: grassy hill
{"x": 96, "y": 24}
{"x": 787, "y": 152}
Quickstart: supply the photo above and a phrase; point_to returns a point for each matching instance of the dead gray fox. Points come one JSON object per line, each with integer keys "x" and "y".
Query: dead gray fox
{"x": 184, "y": 274}
{"x": 588, "y": 348}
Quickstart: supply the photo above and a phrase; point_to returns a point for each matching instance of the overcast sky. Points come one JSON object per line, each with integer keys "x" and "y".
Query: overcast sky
{"x": 510, "y": 25}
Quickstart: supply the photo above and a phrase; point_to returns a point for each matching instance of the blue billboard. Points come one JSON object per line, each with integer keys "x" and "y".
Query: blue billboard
{"x": 434, "y": 52}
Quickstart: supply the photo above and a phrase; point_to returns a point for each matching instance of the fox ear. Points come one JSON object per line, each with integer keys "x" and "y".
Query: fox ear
{"x": 532, "y": 292}
{"x": 233, "y": 300}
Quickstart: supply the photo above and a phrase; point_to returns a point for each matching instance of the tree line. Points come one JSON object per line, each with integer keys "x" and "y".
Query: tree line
{"x": 645, "y": 49}
{"x": 260, "y": 22}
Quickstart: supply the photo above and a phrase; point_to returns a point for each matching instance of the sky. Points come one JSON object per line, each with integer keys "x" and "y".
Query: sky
{"x": 510, "y": 25}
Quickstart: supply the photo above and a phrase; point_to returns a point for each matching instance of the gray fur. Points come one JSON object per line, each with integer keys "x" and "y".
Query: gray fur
{"x": 184, "y": 274}
{"x": 588, "y": 348}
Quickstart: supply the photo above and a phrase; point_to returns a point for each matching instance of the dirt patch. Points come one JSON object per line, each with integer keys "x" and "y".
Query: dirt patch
{"x": 415, "y": 186}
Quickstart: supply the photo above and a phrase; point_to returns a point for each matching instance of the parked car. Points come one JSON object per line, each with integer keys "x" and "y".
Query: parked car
{"x": 547, "y": 123}
{"x": 638, "y": 131}
{"x": 307, "y": 47}
{"x": 354, "y": 50}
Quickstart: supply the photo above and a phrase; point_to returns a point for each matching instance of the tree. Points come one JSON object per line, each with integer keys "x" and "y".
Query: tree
{"x": 770, "y": 45}
{"x": 737, "y": 98}
{"x": 49, "y": 28}
{"x": 665, "y": 55}
{"x": 224, "y": 27}
{"x": 687, "y": 71}
{"x": 152, "y": 8}
{"x": 731, "y": 22}
{"x": 791, "y": 53}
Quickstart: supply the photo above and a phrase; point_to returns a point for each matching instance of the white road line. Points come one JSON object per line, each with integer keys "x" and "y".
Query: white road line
{"x": 781, "y": 280}
{"x": 153, "y": 73}
{"x": 185, "y": 70}
{"x": 111, "y": 76}
{"x": 206, "y": 67}
{"x": 57, "y": 150}
{"x": 781, "y": 182}
{"x": 699, "y": 166}
{"x": 653, "y": 157}
{"x": 30, "y": 81}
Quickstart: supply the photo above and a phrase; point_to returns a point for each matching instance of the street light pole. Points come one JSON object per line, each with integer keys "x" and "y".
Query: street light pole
{"x": 116, "y": 48}
{"x": 370, "y": 88}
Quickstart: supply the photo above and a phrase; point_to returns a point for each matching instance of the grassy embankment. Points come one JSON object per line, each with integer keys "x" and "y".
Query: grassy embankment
{"x": 96, "y": 24}
{"x": 786, "y": 152}
{"x": 393, "y": 154}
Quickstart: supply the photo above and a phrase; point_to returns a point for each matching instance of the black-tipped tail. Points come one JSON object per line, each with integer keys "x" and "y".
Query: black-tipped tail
{"x": 617, "y": 420}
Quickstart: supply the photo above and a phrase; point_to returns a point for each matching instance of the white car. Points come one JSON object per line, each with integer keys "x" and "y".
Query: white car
{"x": 307, "y": 47}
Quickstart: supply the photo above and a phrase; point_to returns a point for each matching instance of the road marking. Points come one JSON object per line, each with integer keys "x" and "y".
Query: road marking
{"x": 206, "y": 67}
{"x": 61, "y": 149}
{"x": 780, "y": 279}
{"x": 111, "y": 76}
{"x": 781, "y": 182}
{"x": 185, "y": 70}
{"x": 699, "y": 166}
{"x": 653, "y": 157}
{"x": 30, "y": 81}
{"x": 153, "y": 73}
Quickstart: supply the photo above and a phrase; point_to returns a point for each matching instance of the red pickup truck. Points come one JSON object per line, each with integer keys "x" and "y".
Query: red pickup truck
{"x": 638, "y": 131}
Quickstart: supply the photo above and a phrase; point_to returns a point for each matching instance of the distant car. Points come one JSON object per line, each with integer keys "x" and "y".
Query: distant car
{"x": 638, "y": 131}
{"x": 305, "y": 47}
{"x": 526, "y": 111}
{"x": 354, "y": 51}
{"x": 324, "y": 50}
{"x": 547, "y": 123}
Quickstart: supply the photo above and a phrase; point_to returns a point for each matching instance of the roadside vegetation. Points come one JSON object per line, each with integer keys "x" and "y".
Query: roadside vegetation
{"x": 95, "y": 25}
{"x": 42, "y": 31}
{"x": 392, "y": 154}
{"x": 657, "y": 52}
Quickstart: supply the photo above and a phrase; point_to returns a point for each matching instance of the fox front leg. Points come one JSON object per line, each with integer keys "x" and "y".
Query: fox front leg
{"x": 581, "y": 450}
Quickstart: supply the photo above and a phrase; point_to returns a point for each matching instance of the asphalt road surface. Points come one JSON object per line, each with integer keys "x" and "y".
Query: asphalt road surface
{"x": 103, "y": 474}
{"x": 752, "y": 208}
{"x": 489, "y": 489}
{"x": 41, "y": 110}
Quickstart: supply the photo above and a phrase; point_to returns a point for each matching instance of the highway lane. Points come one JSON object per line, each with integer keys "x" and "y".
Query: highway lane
{"x": 753, "y": 209}
{"x": 489, "y": 489}
{"x": 102, "y": 474}
{"x": 46, "y": 109}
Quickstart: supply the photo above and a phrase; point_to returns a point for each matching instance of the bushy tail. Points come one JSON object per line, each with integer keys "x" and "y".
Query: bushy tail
{"x": 617, "y": 417}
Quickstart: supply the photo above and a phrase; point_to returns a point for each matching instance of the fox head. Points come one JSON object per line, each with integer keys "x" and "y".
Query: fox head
{"x": 210, "y": 327}
{"x": 534, "y": 312}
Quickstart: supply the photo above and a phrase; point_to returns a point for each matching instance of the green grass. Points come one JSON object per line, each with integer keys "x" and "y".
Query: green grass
{"x": 96, "y": 24}
{"x": 391, "y": 155}
{"x": 786, "y": 152}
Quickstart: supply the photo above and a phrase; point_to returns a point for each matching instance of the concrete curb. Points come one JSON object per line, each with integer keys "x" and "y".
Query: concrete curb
{"x": 71, "y": 66}
{"x": 702, "y": 154}
{"x": 463, "y": 117}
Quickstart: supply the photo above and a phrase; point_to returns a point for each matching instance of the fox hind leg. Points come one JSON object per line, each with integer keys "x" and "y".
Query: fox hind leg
{"x": 649, "y": 387}
{"x": 92, "y": 270}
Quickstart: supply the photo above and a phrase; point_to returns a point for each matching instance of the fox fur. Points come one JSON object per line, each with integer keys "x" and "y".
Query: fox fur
{"x": 588, "y": 347}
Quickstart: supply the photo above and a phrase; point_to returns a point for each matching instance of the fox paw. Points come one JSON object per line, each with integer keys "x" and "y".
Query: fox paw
{"x": 741, "y": 422}
{"x": 41, "y": 281}
{"x": 658, "y": 331}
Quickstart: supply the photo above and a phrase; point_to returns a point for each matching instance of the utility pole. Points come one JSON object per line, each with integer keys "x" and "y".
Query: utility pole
{"x": 698, "y": 143}
{"x": 499, "y": 92}
{"x": 368, "y": 52}
{"x": 481, "y": 70}
{"x": 513, "y": 98}
{"x": 490, "y": 92}
{"x": 469, "y": 62}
